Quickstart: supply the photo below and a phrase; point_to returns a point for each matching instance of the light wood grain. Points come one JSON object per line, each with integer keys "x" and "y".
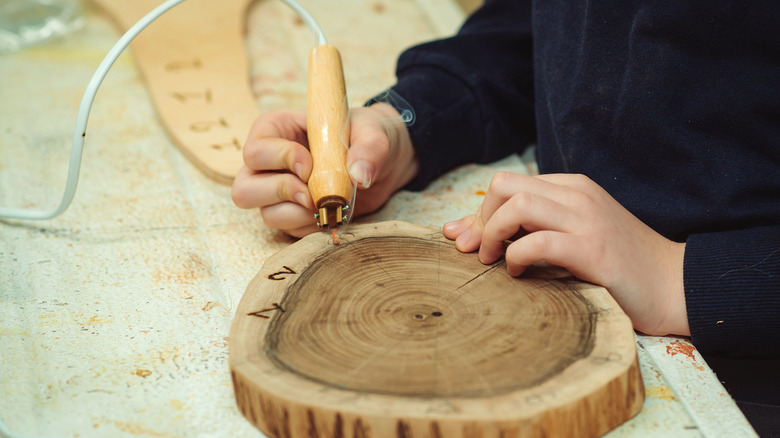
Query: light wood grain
{"x": 327, "y": 122}
{"x": 195, "y": 65}
{"x": 395, "y": 333}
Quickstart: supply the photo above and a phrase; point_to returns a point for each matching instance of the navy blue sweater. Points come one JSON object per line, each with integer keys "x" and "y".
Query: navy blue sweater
{"x": 672, "y": 107}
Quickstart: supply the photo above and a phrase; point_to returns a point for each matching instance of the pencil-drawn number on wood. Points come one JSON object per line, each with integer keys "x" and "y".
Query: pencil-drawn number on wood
{"x": 611, "y": 357}
{"x": 540, "y": 397}
{"x": 354, "y": 398}
{"x": 262, "y": 313}
{"x": 443, "y": 406}
{"x": 280, "y": 275}
{"x": 208, "y": 125}
{"x": 184, "y": 96}
{"x": 175, "y": 66}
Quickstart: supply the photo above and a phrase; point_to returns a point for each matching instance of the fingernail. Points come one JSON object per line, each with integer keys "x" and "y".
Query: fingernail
{"x": 360, "y": 171}
{"x": 299, "y": 171}
{"x": 463, "y": 239}
{"x": 450, "y": 226}
{"x": 302, "y": 199}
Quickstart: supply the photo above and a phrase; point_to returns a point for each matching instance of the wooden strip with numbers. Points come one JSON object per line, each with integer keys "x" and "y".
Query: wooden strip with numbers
{"x": 195, "y": 65}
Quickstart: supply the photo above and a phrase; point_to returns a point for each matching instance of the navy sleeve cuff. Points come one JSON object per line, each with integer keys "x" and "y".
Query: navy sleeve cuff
{"x": 732, "y": 292}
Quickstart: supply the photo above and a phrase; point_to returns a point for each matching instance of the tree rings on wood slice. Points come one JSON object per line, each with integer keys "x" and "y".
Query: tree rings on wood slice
{"x": 394, "y": 333}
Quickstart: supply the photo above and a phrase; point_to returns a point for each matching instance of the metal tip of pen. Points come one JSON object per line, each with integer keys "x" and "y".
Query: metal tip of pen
{"x": 331, "y": 216}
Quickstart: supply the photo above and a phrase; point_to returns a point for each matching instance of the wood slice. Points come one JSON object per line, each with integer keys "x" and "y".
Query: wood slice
{"x": 394, "y": 333}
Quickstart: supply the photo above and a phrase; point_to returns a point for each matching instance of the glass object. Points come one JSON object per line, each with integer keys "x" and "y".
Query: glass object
{"x": 27, "y": 22}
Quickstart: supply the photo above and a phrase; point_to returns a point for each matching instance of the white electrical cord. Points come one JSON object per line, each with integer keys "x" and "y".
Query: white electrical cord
{"x": 311, "y": 23}
{"x": 80, "y": 131}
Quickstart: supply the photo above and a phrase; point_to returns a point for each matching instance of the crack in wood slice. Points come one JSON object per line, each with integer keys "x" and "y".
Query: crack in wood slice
{"x": 397, "y": 332}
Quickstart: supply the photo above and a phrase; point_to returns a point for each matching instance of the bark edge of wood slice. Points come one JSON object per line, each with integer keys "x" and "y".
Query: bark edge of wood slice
{"x": 394, "y": 333}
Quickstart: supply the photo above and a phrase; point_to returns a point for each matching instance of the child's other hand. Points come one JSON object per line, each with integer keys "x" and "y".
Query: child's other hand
{"x": 570, "y": 221}
{"x": 277, "y": 165}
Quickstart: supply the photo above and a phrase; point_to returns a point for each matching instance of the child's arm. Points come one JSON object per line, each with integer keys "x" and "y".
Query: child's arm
{"x": 732, "y": 286}
{"x": 569, "y": 221}
{"x": 473, "y": 93}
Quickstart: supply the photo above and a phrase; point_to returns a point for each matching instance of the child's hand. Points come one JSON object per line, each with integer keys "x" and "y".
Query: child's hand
{"x": 278, "y": 164}
{"x": 570, "y": 221}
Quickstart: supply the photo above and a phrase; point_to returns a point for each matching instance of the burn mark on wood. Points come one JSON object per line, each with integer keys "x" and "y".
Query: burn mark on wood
{"x": 280, "y": 275}
{"x": 262, "y": 312}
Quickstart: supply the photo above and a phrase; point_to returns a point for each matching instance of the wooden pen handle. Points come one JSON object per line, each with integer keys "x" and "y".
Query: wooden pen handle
{"x": 327, "y": 120}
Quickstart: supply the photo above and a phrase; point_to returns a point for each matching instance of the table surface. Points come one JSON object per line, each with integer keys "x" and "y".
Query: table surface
{"x": 114, "y": 317}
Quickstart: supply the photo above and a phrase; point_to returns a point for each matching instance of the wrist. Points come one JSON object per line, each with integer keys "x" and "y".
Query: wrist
{"x": 676, "y": 314}
{"x": 403, "y": 161}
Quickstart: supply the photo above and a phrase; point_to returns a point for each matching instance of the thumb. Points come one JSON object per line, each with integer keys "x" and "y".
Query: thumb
{"x": 367, "y": 153}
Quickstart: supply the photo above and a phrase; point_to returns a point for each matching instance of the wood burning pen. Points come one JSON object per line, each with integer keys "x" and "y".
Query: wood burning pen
{"x": 327, "y": 120}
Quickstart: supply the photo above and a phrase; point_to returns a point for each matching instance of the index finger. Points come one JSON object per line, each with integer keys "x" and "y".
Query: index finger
{"x": 277, "y": 141}
{"x": 505, "y": 185}
{"x": 290, "y": 125}
{"x": 274, "y": 154}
